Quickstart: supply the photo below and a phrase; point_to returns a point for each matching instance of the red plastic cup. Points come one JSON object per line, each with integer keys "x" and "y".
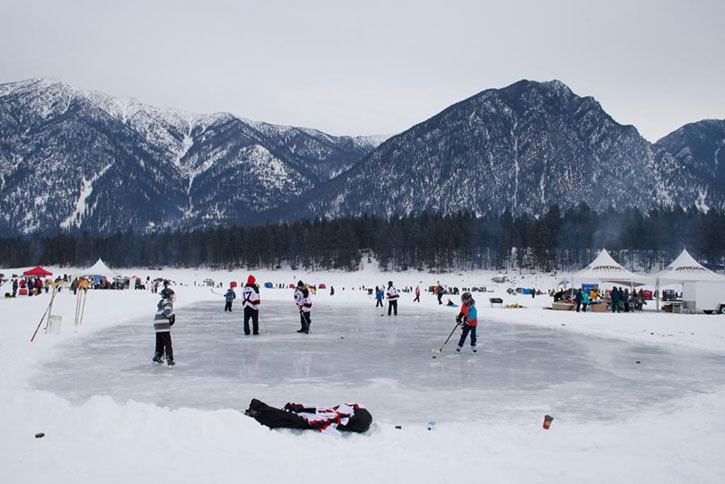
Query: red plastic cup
{"x": 547, "y": 421}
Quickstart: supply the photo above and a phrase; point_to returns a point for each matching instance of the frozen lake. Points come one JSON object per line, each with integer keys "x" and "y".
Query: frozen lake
{"x": 354, "y": 354}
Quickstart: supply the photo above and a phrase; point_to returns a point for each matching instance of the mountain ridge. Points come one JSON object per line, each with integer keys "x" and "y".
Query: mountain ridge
{"x": 117, "y": 163}
{"x": 265, "y": 164}
{"x": 530, "y": 145}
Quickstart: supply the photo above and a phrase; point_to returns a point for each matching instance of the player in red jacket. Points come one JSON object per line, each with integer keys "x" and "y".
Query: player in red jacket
{"x": 468, "y": 317}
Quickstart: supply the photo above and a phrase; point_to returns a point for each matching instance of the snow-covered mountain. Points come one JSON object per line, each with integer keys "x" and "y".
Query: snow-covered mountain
{"x": 524, "y": 147}
{"x": 75, "y": 159}
{"x": 699, "y": 149}
{"x": 72, "y": 159}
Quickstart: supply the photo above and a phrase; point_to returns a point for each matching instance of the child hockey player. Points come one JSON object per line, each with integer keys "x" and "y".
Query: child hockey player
{"x": 379, "y": 296}
{"x": 467, "y": 317}
{"x": 163, "y": 321}
{"x": 228, "y": 298}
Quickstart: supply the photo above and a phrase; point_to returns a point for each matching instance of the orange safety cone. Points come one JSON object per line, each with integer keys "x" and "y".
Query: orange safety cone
{"x": 547, "y": 421}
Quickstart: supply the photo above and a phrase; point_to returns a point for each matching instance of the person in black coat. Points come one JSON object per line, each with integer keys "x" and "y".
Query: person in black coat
{"x": 616, "y": 296}
{"x": 578, "y": 299}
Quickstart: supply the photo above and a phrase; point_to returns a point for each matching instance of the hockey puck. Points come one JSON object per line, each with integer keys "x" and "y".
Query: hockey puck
{"x": 39, "y": 435}
{"x": 342, "y": 337}
{"x": 434, "y": 356}
{"x": 637, "y": 362}
{"x": 398, "y": 427}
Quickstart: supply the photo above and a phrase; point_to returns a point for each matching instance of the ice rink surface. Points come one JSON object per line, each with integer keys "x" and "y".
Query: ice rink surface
{"x": 355, "y": 354}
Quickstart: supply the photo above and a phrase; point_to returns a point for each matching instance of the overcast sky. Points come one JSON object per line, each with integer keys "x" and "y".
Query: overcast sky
{"x": 374, "y": 67}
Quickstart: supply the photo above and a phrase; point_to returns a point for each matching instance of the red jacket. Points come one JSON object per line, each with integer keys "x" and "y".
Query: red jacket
{"x": 471, "y": 321}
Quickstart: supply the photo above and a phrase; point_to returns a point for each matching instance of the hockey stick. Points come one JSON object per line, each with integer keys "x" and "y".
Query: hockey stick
{"x": 39, "y": 323}
{"x": 47, "y": 312}
{"x": 440, "y": 350}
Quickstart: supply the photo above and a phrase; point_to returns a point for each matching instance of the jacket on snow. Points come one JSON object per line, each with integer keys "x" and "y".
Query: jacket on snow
{"x": 302, "y": 299}
{"x": 346, "y": 417}
{"x": 164, "y": 316}
{"x": 250, "y": 296}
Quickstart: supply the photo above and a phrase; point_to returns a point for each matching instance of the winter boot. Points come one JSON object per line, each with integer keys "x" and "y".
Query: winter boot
{"x": 458, "y": 350}
{"x": 473, "y": 348}
{"x": 157, "y": 359}
{"x": 170, "y": 362}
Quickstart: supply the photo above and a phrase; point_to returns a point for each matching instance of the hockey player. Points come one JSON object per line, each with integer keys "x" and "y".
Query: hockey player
{"x": 304, "y": 304}
{"x": 228, "y": 298}
{"x": 393, "y": 296}
{"x": 379, "y": 296}
{"x": 468, "y": 318}
{"x": 163, "y": 321}
{"x": 250, "y": 302}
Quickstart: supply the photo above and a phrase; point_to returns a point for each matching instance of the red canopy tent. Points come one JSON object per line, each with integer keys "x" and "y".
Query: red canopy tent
{"x": 37, "y": 271}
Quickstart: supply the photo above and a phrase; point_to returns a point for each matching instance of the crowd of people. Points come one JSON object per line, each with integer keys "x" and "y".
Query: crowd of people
{"x": 617, "y": 299}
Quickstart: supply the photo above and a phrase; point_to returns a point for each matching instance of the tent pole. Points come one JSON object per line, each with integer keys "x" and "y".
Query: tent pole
{"x": 657, "y": 293}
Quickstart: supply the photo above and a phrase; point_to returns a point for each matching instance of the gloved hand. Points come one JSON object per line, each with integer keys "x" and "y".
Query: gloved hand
{"x": 172, "y": 319}
{"x": 459, "y": 318}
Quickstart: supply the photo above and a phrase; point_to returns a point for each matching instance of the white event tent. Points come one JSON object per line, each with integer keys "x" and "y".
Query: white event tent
{"x": 605, "y": 269}
{"x": 100, "y": 269}
{"x": 685, "y": 269}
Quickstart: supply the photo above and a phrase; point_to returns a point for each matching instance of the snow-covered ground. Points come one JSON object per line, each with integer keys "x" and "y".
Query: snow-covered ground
{"x": 111, "y": 415}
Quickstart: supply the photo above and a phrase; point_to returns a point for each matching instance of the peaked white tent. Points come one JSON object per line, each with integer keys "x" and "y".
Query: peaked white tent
{"x": 682, "y": 270}
{"x": 686, "y": 269}
{"x": 605, "y": 269}
{"x": 100, "y": 269}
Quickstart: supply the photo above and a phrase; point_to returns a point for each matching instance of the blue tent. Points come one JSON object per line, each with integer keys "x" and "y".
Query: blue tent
{"x": 268, "y": 285}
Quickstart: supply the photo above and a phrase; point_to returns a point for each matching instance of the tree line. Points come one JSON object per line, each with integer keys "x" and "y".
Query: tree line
{"x": 558, "y": 240}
